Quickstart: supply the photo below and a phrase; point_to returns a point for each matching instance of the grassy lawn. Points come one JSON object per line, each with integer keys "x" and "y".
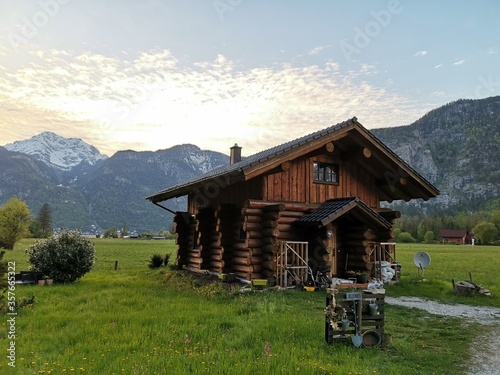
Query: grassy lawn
{"x": 141, "y": 321}
{"x": 449, "y": 262}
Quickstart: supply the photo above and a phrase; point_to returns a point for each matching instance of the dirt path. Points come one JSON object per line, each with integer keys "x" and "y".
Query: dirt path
{"x": 485, "y": 351}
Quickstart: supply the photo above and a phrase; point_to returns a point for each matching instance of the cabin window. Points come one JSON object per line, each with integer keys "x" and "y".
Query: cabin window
{"x": 326, "y": 173}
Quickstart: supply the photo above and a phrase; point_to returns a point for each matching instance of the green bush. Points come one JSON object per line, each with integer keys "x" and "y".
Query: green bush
{"x": 167, "y": 258}
{"x": 429, "y": 237}
{"x": 4, "y": 284}
{"x": 406, "y": 237}
{"x": 156, "y": 261}
{"x": 64, "y": 258}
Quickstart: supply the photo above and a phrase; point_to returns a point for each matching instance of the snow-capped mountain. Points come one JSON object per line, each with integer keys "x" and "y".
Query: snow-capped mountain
{"x": 58, "y": 152}
{"x": 87, "y": 190}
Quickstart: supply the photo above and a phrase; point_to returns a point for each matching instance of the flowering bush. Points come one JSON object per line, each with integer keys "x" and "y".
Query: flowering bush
{"x": 64, "y": 258}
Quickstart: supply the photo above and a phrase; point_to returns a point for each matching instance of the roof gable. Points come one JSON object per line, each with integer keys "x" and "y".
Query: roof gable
{"x": 263, "y": 162}
{"x": 335, "y": 208}
{"x": 453, "y": 233}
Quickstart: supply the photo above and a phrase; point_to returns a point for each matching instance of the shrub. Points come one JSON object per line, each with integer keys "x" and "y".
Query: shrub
{"x": 406, "y": 237}
{"x": 429, "y": 237}
{"x": 156, "y": 261}
{"x": 64, "y": 258}
{"x": 3, "y": 280}
{"x": 167, "y": 258}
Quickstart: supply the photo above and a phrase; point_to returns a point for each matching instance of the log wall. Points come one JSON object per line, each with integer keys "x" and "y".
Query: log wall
{"x": 185, "y": 233}
{"x": 296, "y": 184}
{"x": 245, "y": 241}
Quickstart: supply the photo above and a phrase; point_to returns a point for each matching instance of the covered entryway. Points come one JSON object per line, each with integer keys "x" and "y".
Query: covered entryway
{"x": 346, "y": 234}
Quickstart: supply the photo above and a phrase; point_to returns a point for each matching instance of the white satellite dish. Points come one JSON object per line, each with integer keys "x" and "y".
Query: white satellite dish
{"x": 421, "y": 260}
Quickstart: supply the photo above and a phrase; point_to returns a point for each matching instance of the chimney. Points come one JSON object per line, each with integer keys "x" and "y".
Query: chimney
{"x": 235, "y": 154}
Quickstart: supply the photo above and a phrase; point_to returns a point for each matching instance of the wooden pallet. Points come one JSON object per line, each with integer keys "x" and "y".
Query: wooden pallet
{"x": 366, "y": 321}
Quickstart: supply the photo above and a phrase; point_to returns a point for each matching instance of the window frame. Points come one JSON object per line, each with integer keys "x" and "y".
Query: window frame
{"x": 333, "y": 171}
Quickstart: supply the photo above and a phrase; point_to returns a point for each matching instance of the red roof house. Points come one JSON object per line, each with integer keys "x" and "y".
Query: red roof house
{"x": 455, "y": 236}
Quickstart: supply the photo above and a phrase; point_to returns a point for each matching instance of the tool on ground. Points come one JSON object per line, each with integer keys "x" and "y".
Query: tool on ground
{"x": 357, "y": 339}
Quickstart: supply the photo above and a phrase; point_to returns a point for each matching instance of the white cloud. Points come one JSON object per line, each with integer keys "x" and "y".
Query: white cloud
{"x": 437, "y": 93}
{"x": 491, "y": 51}
{"x": 154, "y": 101}
{"x": 459, "y": 62}
{"x": 438, "y": 66}
{"x": 317, "y": 50}
{"x": 421, "y": 53}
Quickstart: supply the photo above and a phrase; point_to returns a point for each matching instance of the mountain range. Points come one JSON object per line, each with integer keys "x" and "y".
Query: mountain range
{"x": 456, "y": 147}
{"x": 91, "y": 192}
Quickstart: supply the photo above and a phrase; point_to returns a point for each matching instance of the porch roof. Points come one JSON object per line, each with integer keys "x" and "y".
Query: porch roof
{"x": 335, "y": 208}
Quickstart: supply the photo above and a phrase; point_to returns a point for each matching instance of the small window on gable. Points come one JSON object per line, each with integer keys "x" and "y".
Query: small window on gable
{"x": 326, "y": 173}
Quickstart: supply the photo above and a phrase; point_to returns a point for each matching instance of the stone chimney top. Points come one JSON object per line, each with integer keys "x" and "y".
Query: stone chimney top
{"x": 235, "y": 154}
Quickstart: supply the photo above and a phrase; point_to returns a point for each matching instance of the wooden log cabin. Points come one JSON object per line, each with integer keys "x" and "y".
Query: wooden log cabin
{"x": 308, "y": 204}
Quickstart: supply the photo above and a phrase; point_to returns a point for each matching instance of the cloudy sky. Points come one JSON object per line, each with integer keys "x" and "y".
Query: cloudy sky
{"x": 150, "y": 74}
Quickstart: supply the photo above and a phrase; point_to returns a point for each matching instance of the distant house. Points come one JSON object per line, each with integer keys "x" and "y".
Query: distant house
{"x": 308, "y": 204}
{"x": 455, "y": 236}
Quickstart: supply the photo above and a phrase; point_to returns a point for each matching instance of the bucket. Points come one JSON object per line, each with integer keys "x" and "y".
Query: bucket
{"x": 371, "y": 338}
{"x": 344, "y": 324}
{"x": 373, "y": 308}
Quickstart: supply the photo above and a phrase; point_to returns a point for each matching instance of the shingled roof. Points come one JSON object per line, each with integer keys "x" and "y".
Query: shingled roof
{"x": 334, "y": 208}
{"x": 262, "y": 162}
{"x": 453, "y": 233}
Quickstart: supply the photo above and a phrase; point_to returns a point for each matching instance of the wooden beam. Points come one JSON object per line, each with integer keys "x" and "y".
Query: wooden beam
{"x": 330, "y": 147}
{"x": 367, "y": 152}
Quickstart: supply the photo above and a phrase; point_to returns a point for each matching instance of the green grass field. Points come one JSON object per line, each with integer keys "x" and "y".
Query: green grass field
{"x": 141, "y": 321}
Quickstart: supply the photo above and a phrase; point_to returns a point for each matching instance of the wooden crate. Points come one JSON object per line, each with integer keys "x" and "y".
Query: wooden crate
{"x": 366, "y": 321}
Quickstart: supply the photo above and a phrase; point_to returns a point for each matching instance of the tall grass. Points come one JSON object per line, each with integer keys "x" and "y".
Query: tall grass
{"x": 449, "y": 262}
{"x": 138, "y": 320}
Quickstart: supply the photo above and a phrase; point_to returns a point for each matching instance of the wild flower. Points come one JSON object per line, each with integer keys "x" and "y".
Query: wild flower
{"x": 267, "y": 349}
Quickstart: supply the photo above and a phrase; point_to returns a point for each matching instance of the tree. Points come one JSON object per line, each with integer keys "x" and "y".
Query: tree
{"x": 124, "y": 231}
{"x": 110, "y": 233}
{"x": 44, "y": 221}
{"x": 433, "y": 224}
{"x": 495, "y": 218}
{"x": 486, "y": 232}
{"x": 4, "y": 281}
{"x": 64, "y": 258}
{"x": 15, "y": 221}
{"x": 429, "y": 237}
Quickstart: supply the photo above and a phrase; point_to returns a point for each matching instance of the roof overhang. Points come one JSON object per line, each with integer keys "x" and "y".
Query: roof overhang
{"x": 333, "y": 209}
{"x": 395, "y": 179}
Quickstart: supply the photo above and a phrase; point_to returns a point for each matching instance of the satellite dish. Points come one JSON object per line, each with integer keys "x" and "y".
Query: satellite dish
{"x": 421, "y": 260}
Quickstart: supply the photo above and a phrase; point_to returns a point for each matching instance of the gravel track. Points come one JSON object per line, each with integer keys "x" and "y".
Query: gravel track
{"x": 485, "y": 351}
